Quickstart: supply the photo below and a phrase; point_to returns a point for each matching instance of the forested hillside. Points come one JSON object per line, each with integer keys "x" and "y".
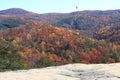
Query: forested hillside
{"x": 16, "y": 14}
{"x": 29, "y": 40}
{"x": 110, "y": 33}
{"x": 81, "y": 20}
{"x": 86, "y": 20}
{"x": 37, "y": 45}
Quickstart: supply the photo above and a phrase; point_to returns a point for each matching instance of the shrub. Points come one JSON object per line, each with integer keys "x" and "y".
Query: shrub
{"x": 9, "y": 58}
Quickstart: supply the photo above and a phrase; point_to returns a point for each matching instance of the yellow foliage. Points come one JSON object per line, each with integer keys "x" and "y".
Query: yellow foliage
{"x": 29, "y": 36}
{"x": 51, "y": 57}
{"x": 102, "y": 41}
{"x": 53, "y": 34}
{"x": 43, "y": 43}
{"x": 77, "y": 33}
{"x": 70, "y": 31}
{"x": 58, "y": 43}
{"x": 2, "y": 39}
{"x": 17, "y": 39}
{"x": 14, "y": 42}
{"x": 114, "y": 48}
{"x": 105, "y": 29}
{"x": 43, "y": 53}
{"x": 21, "y": 53}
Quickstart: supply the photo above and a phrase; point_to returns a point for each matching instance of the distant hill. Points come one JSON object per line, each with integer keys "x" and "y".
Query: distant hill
{"x": 26, "y": 16}
{"x": 87, "y": 21}
{"x": 82, "y": 20}
{"x": 14, "y": 11}
{"x": 13, "y": 17}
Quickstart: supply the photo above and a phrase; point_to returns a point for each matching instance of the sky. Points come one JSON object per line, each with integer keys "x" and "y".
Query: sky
{"x": 60, "y": 6}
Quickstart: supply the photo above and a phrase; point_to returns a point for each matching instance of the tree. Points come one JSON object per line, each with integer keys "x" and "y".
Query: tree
{"x": 9, "y": 58}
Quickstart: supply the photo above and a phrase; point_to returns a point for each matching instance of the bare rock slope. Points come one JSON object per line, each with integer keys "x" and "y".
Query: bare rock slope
{"x": 67, "y": 72}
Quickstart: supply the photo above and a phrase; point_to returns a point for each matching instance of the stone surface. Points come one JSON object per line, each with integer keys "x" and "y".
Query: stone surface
{"x": 67, "y": 72}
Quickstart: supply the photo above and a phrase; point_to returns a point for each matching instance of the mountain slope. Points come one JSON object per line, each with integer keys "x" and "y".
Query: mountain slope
{"x": 14, "y": 11}
{"x": 16, "y": 14}
{"x": 87, "y": 20}
{"x": 110, "y": 33}
{"x": 81, "y": 20}
{"x": 44, "y": 45}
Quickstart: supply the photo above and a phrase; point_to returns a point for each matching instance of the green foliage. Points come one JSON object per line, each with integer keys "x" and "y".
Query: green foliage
{"x": 9, "y": 58}
{"x": 106, "y": 59}
{"x": 116, "y": 56}
{"x": 44, "y": 62}
{"x": 11, "y": 23}
{"x": 66, "y": 23}
{"x": 87, "y": 44}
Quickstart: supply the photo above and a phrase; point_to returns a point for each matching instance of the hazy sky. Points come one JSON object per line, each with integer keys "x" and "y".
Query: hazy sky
{"x": 46, "y": 6}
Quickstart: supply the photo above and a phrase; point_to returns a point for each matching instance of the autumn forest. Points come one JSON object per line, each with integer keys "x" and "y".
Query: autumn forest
{"x": 30, "y": 40}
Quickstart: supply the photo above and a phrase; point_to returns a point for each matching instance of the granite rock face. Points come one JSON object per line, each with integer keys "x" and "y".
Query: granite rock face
{"x": 67, "y": 72}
